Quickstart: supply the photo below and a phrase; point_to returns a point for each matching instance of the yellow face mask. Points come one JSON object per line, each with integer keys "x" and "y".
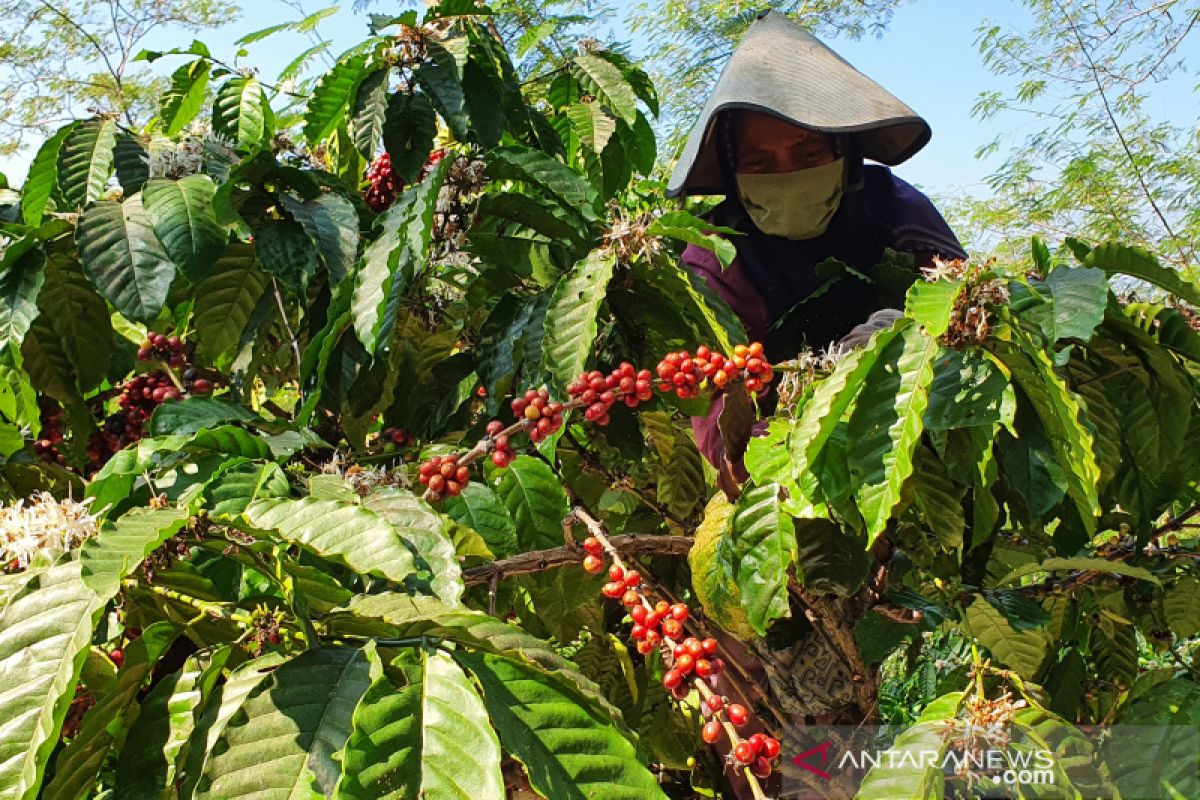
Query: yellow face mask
{"x": 794, "y": 205}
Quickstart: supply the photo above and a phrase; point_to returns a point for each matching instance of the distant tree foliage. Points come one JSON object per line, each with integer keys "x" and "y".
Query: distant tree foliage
{"x": 1092, "y": 154}
{"x": 58, "y": 59}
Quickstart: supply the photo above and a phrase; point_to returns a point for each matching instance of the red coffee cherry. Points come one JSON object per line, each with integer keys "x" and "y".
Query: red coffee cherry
{"x": 593, "y": 564}
{"x": 770, "y": 747}
{"x": 711, "y": 732}
{"x": 593, "y": 546}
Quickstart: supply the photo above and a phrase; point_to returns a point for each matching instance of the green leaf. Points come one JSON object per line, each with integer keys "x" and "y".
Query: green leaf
{"x": 1078, "y": 564}
{"x": 829, "y": 560}
{"x": 1022, "y": 612}
{"x": 1021, "y": 651}
{"x": 391, "y": 262}
{"x": 427, "y": 737}
{"x": 361, "y": 539}
{"x": 409, "y": 129}
{"x": 886, "y": 426}
{"x": 332, "y": 223}
{"x": 332, "y": 95}
{"x": 1181, "y": 605}
{"x": 572, "y": 317}
{"x": 931, "y": 303}
{"x": 909, "y": 773}
{"x": 285, "y": 252}
{"x": 85, "y": 161}
{"x": 20, "y": 283}
{"x": 640, "y": 145}
{"x": 691, "y": 229}
{"x": 567, "y": 752}
{"x": 212, "y": 719}
{"x": 428, "y": 616}
{"x": 183, "y": 219}
{"x": 238, "y": 112}
{"x": 43, "y": 176}
{"x": 1062, "y": 416}
{"x": 593, "y": 127}
{"x": 166, "y": 719}
{"x": 681, "y": 483}
{"x": 185, "y": 97}
{"x": 1080, "y": 297}
{"x": 194, "y": 413}
{"x": 285, "y": 740}
{"x": 939, "y": 499}
{"x": 131, "y": 162}
{"x": 241, "y": 483}
{"x": 762, "y": 549}
{"x": 479, "y": 508}
{"x": 830, "y": 400}
{"x": 967, "y": 391}
{"x": 1114, "y": 648}
{"x": 877, "y": 637}
{"x": 123, "y": 258}
{"x": 441, "y": 78}
{"x": 1118, "y": 258}
{"x": 225, "y": 300}
{"x": 78, "y": 764}
{"x": 45, "y": 627}
{"x": 535, "y": 500}
{"x": 611, "y": 86}
{"x": 422, "y": 529}
{"x": 545, "y": 172}
{"x": 44, "y": 359}
{"x": 369, "y": 110}
{"x": 121, "y": 547}
{"x": 712, "y": 577}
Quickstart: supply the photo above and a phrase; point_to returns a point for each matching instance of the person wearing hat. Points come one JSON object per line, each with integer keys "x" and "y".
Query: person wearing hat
{"x": 784, "y": 137}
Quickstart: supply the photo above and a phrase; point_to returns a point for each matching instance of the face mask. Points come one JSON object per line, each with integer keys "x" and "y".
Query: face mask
{"x": 794, "y": 205}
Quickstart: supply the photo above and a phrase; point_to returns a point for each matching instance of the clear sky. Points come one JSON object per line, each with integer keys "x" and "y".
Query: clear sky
{"x": 927, "y": 58}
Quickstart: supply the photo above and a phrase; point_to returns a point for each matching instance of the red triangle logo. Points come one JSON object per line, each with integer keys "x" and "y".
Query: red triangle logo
{"x": 821, "y": 749}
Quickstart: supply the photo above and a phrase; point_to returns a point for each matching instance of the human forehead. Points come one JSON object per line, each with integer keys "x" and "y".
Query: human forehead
{"x": 755, "y": 129}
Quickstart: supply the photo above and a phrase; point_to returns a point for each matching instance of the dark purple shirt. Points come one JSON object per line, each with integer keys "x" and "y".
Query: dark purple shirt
{"x": 785, "y": 301}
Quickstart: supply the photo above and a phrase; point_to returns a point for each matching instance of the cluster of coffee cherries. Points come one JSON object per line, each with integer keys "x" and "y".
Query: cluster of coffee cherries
{"x": 692, "y": 659}
{"x": 432, "y": 161}
{"x": 502, "y": 450}
{"x": 392, "y": 438}
{"x": 683, "y": 373}
{"x": 544, "y": 414}
{"x": 170, "y": 350}
{"x": 443, "y": 476}
{"x": 46, "y": 447}
{"x": 384, "y": 183}
{"x": 599, "y": 392}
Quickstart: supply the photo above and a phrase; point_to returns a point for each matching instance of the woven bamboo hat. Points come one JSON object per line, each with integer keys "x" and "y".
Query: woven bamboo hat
{"x": 781, "y": 69}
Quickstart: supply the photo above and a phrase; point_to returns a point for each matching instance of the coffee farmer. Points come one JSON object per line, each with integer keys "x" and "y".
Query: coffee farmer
{"x": 785, "y": 137}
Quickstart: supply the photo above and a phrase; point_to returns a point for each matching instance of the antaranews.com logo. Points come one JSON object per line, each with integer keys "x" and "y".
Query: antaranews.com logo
{"x": 949, "y": 758}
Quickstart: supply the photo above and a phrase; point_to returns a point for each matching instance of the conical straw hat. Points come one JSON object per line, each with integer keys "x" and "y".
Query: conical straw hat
{"x": 781, "y": 69}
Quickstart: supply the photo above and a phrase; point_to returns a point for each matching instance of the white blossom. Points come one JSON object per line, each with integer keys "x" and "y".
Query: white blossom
{"x": 43, "y": 524}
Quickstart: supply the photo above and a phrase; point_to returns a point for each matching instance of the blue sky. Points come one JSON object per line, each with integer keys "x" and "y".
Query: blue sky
{"x": 927, "y": 57}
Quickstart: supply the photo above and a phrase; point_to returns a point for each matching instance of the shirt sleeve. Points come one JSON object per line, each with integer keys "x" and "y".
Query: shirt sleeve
{"x": 919, "y": 227}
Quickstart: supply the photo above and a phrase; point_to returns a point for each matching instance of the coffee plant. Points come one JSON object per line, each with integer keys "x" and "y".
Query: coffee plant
{"x": 346, "y": 452}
